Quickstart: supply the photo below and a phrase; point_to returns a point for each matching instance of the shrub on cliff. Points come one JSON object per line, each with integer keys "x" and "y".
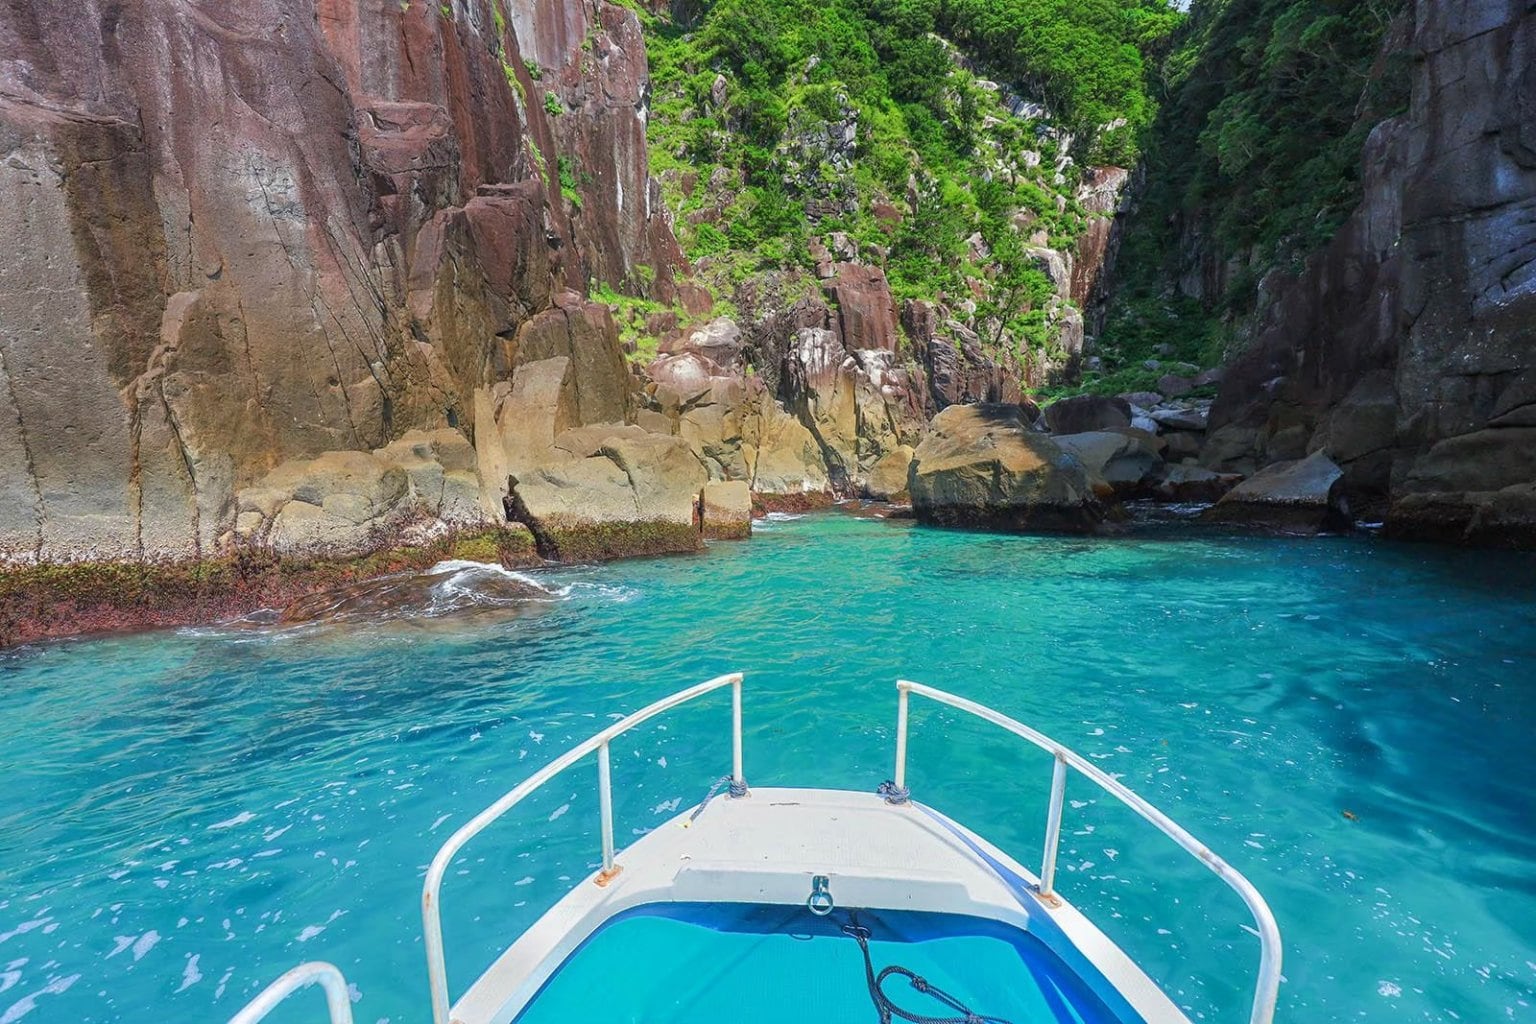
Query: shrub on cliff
{"x": 781, "y": 122}
{"x": 1253, "y": 162}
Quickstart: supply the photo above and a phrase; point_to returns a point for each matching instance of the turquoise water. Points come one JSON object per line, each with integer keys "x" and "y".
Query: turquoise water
{"x": 778, "y": 965}
{"x": 187, "y": 814}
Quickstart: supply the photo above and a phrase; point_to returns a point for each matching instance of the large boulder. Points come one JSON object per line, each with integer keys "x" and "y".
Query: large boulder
{"x": 982, "y": 466}
{"x": 726, "y": 510}
{"x": 1476, "y": 488}
{"x": 1298, "y": 496}
{"x": 337, "y": 504}
{"x": 1119, "y": 463}
{"x": 1192, "y": 485}
{"x": 1084, "y": 413}
{"x": 1193, "y": 418}
{"x": 888, "y": 477}
{"x": 611, "y": 489}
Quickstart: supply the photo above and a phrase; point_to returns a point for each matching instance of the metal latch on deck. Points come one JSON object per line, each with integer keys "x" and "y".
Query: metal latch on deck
{"x": 819, "y": 902}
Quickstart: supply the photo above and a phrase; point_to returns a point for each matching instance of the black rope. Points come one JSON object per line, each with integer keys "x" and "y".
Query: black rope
{"x": 894, "y": 794}
{"x": 888, "y": 1009}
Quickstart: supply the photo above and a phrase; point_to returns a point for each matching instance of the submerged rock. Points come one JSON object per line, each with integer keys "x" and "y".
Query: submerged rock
{"x": 982, "y": 465}
{"x": 1299, "y": 496}
{"x": 450, "y": 588}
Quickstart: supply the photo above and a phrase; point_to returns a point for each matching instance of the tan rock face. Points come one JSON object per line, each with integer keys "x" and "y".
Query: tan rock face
{"x": 983, "y": 466}
{"x": 284, "y": 228}
{"x": 782, "y": 456}
{"x": 888, "y": 476}
{"x": 345, "y": 503}
{"x": 727, "y": 509}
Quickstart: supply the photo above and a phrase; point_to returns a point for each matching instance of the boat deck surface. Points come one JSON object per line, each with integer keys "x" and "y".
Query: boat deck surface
{"x": 766, "y": 848}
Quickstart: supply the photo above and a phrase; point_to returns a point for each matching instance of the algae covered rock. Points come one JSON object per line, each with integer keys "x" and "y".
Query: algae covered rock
{"x": 982, "y": 465}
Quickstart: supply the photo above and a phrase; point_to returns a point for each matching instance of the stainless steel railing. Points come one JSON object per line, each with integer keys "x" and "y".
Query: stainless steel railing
{"x": 328, "y": 977}
{"x": 1267, "y": 990}
{"x": 437, "y": 971}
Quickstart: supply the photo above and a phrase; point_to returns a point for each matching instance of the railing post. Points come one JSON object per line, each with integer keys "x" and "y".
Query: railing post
{"x": 900, "y": 777}
{"x": 738, "y": 778}
{"x": 605, "y": 811}
{"x": 432, "y": 937}
{"x": 1053, "y": 828}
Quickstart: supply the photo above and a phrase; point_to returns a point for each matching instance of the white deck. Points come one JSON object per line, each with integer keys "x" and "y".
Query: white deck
{"x": 767, "y": 846}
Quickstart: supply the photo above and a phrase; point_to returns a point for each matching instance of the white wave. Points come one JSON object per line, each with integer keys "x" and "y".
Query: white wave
{"x": 239, "y": 819}
{"x": 465, "y": 574}
{"x": 190, "y": 975}
{"x": 772, "y": 521}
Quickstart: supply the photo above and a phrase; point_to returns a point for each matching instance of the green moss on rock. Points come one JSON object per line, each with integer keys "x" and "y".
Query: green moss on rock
{"x": 605, "y": 541}
{"x": 511, "y": 547}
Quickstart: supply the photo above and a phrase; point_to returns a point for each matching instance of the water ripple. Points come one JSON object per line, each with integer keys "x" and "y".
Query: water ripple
{"x": 192, "y": 812}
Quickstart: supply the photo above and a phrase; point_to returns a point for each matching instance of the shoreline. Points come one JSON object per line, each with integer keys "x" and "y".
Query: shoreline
{"x": 61, "y": 601}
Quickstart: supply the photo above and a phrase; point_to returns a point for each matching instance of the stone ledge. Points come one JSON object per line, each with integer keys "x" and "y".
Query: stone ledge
{"x": 55, "y": 600}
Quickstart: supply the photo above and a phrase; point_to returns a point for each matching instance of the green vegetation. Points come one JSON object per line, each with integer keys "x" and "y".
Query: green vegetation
{"x": 1255, "y": 155}
{"x": 552, "y": 105}
{"x": 776, "y": 123}
{"x": 1085, "y": 58}
{"x": 516, "y": 84}
{"x": 570, "y": 186}
{"x": 631, "y": 314}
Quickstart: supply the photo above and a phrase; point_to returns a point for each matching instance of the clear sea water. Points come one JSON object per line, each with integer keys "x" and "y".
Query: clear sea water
{"x": 1351, "y": 723}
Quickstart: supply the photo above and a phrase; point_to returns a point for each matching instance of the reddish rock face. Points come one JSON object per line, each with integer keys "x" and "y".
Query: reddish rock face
{"x": 593, "y": 59}
{"x": 866, "y": 314}
{"x": 1095, "y": 252}
{"x": 253, "y": 232}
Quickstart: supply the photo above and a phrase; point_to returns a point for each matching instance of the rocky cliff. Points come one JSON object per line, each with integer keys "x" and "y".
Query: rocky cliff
{"x": 282, "y": 271}
{"x": 1406, "y": 348}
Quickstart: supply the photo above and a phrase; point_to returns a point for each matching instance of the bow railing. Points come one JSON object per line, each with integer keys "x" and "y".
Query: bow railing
{"x": 437, "y": 970}
{"x": 1267, "y": 990}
